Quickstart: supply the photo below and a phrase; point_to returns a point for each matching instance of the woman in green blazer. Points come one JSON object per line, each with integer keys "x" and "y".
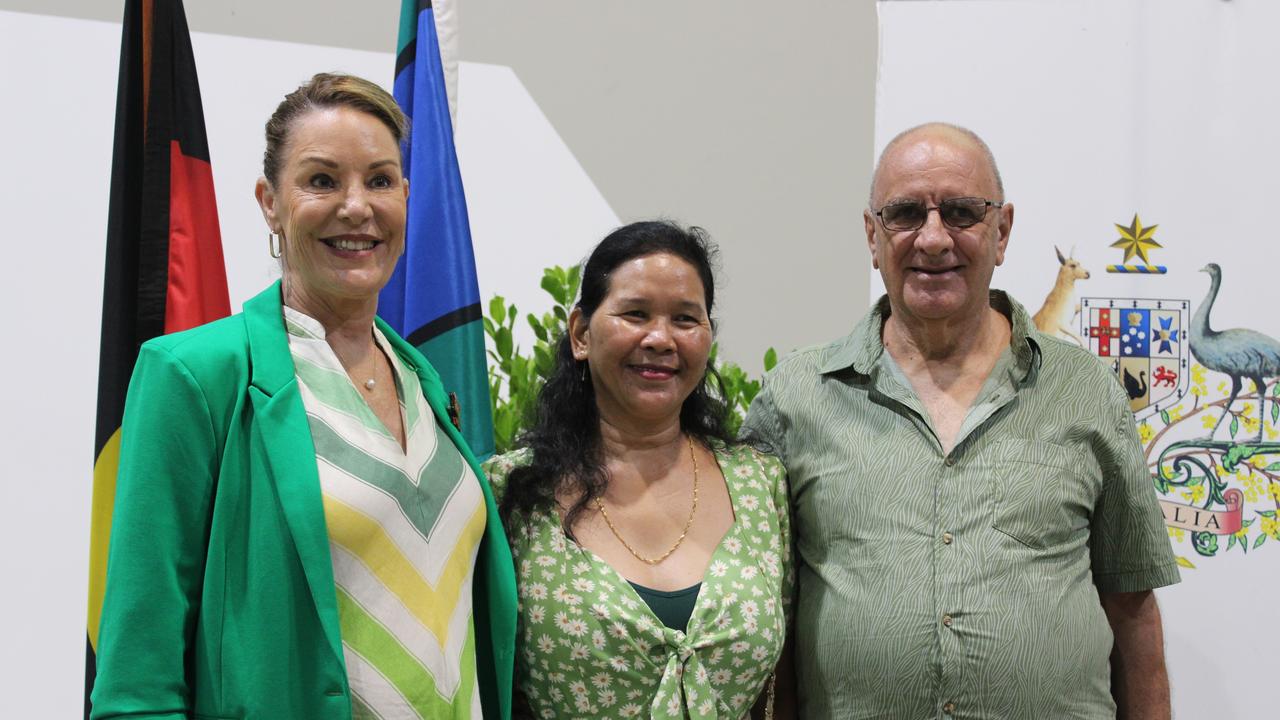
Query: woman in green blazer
{"x": 245, "y": 577}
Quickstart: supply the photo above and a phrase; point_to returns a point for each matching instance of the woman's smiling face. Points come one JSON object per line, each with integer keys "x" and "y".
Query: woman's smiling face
{"x": 647, "y": 343}
{"x": 339, "y": 204}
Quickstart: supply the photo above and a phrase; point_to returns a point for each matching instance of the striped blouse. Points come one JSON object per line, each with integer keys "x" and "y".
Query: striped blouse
{"x": 404, "y": 528}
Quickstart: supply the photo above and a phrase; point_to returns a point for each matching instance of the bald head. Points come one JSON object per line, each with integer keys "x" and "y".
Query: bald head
{"x": 943, "y": 131}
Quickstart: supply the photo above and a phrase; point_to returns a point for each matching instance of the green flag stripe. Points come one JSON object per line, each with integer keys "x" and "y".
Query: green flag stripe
{"x": 408, "y": 24}
{"x": 367, "y": 637}
{"x": 449, "y": 354}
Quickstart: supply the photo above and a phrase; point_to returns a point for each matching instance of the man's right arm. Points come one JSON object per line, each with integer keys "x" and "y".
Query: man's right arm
{"x": 762, "y": 426}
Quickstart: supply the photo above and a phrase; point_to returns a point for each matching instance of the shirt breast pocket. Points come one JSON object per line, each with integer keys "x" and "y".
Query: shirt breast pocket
{"x": 1031, "y": 482}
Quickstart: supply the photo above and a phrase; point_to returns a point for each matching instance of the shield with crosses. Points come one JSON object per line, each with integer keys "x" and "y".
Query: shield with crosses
{"x": 1145, "y": 342}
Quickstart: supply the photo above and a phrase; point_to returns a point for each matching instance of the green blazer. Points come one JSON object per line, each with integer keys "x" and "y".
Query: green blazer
{"x": 220, "y": 600}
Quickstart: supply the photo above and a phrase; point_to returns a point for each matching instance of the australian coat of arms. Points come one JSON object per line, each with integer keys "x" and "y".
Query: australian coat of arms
{"x": 1206, "y": 399}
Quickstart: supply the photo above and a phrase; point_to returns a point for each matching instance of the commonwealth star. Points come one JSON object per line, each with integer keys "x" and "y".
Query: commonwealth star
{"x": 1136, "y": 239}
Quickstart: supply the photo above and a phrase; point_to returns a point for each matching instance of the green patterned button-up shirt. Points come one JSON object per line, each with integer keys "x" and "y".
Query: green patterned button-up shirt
{"x": 961, "y": 585}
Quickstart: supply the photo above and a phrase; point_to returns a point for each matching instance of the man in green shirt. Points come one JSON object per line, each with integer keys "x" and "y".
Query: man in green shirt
{"x": 975, "y": 523}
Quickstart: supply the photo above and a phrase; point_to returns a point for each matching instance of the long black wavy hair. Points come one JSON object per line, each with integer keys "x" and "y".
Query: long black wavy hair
{"x": 565, "y": 435}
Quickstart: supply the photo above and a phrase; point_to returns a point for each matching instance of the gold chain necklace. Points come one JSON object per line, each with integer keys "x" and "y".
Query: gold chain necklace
{"x": 687, "y": 524}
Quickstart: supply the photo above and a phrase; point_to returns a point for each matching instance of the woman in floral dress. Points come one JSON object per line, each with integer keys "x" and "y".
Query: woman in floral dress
{"x": 652, "y": 551}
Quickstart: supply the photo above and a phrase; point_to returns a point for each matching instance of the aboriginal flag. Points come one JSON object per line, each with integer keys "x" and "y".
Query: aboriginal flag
{"x": 164, "y": 269}
{"x": 433, "y": 299}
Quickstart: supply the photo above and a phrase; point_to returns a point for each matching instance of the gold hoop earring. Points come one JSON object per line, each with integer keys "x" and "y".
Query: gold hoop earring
{"x": 273, "y": 248}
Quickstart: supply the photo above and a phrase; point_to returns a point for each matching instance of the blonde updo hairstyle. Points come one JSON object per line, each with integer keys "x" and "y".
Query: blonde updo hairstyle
{"x": 328, "y": 90}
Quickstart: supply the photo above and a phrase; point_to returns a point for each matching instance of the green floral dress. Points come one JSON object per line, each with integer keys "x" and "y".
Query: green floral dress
{"x": 591, "y": 648}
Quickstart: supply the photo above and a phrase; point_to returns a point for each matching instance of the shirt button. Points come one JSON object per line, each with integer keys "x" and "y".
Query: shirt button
{"x": 947, "y": 538}
{"x": 946, "y": 620}
{"x": 949, "y": 461}
{"x": 949, "y": 708}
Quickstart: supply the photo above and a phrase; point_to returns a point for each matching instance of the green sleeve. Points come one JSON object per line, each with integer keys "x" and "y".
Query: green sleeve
{"x": 762, "y": 426}
{"x": 159, "y": 536}
{"x": 1129, "y": 545}
{"x": 782, "y": 501}
{"x": 498, "y": 468}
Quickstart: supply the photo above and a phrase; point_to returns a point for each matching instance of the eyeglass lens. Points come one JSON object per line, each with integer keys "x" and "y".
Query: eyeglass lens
{"x": 958, "y": 213}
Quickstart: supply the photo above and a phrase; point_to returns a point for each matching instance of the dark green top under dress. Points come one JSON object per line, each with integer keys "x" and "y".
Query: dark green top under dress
{"x": 673, "y": 607}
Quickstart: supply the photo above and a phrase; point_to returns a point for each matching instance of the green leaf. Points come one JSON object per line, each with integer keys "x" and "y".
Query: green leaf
{"x": 1275, "y": 411}
{"x": 575, "y": 280}
{"x": 561, "y": 315}
{"x": 1195, "y": 480}
{"x": 498, "y": 309}
{"x": 770, "y": 359}
{"x": 1231, "y": 541}
{"x": 542, "y": 360}
{"x": 1275, "y": 390}
{"x": 1164, "y": 417}
{"x": 1162, "y": 485}
{"x": 554, "y": 286}
{"x": 1183, "y": 562}
{"x": 1205, "y": 543}
{"x": 1235, "y": 425}
{"x": 539, "y": 330}
{"x": 1261, "y": 539}
{"x": 1271, "y": 514}
{"x": 502, "y": 341}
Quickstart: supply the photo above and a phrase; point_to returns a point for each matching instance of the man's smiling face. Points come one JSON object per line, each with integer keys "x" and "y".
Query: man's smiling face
{"x": 937, "y": 273}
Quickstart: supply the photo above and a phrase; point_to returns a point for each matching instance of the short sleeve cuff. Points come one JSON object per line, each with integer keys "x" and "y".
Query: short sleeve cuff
{"x": 1139, "y": 580}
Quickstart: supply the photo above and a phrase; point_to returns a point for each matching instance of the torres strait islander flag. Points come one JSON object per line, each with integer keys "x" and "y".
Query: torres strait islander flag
{"x": 164, "y": 268}
{"x": 433, "y": 299}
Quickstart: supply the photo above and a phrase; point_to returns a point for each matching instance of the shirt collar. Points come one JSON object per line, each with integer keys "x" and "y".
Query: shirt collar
{"x": 861, "y": 349}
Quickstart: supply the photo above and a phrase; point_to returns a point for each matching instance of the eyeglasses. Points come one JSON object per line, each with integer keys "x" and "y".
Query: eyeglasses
{"x": 958, "y": 213}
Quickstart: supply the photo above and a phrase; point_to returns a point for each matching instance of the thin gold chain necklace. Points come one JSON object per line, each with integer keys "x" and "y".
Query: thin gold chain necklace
{"x": 687, "y": 523}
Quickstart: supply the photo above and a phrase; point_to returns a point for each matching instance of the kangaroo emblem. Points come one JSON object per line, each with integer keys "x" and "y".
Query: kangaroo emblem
{"x": 1060, "y": 309}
